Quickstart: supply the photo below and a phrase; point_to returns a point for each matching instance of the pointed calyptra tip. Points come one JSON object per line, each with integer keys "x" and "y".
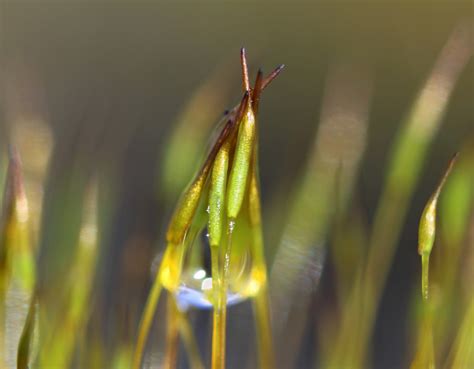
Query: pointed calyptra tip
{"x": 272, "y": 76}
{"x": 245, "y": 70}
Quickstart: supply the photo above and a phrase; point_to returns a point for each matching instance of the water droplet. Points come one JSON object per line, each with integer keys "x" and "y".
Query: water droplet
{"x": 194, "y": 288}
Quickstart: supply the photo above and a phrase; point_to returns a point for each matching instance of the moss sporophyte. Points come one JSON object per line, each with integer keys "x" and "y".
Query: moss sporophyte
{"x": 214, "y": 254}
{"x": 427, "y": 229}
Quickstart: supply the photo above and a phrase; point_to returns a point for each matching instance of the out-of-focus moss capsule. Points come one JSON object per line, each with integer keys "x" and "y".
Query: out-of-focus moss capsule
{"x": 427, "y": 230}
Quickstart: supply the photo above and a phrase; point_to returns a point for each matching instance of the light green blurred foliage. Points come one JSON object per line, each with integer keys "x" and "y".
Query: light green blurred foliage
{"x": 403, "y": 171}
{"x": 190, "y": 131}
{"x": 57, "y": 344}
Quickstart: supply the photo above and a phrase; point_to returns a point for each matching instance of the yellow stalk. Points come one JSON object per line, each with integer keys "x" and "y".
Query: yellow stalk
{"x": 171, "y": 353}
{"x": 146, "y": 321}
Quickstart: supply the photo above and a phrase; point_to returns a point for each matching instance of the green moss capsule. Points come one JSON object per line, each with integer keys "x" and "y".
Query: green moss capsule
{"x": 217, "y": 194}
{"x": 241, "y": 164}
{"x": 427, "y": 231}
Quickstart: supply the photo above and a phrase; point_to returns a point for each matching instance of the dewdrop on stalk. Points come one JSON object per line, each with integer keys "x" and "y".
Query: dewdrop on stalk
{"x": 214, "y": 253}
{"x": 212, "y": 225}
{"x": 427, "y": 230}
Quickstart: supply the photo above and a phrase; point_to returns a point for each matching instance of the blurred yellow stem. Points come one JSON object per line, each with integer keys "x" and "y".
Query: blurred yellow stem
{"x": 172, "y": 330}
{"x": 3, "y": 301}
{"x": 264, "y": 332}
{"x": 146, "y": 321}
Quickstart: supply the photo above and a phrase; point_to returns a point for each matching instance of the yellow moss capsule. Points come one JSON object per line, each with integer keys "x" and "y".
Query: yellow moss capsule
{"x": 185, "y": 211}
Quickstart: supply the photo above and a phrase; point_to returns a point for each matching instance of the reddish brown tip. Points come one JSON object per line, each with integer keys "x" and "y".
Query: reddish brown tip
{"x": 245, "y": 70}
{"x": 272, "y": 76}
{"x": 257, "y": 89}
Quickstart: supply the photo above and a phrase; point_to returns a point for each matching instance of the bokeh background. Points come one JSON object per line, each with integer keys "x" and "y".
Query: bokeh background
{"x": 101, "y": 87}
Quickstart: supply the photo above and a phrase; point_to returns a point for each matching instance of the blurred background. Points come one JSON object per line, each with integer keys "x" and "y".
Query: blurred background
{"x": 122, "y": 98}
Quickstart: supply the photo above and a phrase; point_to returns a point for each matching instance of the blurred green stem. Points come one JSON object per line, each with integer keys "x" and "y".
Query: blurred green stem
{"x": 463, "y": 350}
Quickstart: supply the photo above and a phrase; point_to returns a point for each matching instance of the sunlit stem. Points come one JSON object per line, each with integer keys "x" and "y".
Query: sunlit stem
{"x": 218, "y": 326}
{"x": 220, "y": 301}
{"x": 146, "y": 321}
{"x": 172, "y": 330}
{"x": 261, "y": 302}
{"x": 264, "y": 332}
{"x": 425, "y": 265}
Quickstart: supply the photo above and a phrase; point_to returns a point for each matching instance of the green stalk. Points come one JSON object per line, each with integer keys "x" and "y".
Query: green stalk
{"x": 218, "y": 324}
{"x": 220, "y": 308}
{"x": 425, "y": 265}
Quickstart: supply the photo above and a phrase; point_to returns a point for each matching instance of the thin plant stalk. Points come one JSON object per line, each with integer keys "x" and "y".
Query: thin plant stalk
{"x": 218, "y": 333}
{"x": 146, "y": 321}
{"x": 261, "y": 302}
{"x": 220, "y": 308}
{"x": 425, "y": 267}
{"x": 264, "y": 332}
{"x": 172, "y": 334}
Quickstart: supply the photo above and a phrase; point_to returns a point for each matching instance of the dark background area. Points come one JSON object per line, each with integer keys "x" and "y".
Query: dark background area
{"x": 110, "y": 79}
